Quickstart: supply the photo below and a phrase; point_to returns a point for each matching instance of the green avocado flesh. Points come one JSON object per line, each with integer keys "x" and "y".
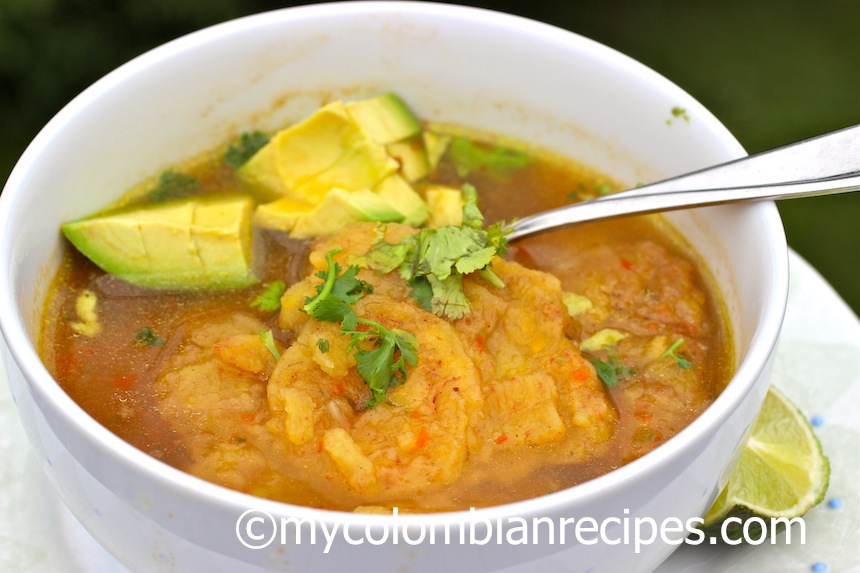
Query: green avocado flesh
{"x": 364, "y": 152}
{"x": 192, "y": 244}
{"x": 347, "y": 162}
{"x": 384, "y": 119}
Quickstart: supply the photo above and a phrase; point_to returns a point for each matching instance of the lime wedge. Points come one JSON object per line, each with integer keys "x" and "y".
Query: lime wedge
{"x": 782, "y": 472}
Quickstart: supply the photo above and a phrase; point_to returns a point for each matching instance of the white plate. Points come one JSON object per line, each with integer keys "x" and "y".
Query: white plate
{"x": 817, "y": 365}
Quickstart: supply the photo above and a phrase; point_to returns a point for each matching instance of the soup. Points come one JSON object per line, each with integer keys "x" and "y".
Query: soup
{"x": 336, "y": 366}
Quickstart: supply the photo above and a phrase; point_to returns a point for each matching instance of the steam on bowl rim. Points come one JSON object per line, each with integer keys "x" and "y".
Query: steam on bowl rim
{"x": 13, "y": 215}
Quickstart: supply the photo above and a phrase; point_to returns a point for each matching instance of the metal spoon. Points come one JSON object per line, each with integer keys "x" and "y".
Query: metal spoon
{"x": 822, "y": 165}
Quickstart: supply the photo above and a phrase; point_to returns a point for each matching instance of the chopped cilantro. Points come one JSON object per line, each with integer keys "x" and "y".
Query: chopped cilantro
{"x": 241, "y": 150}
{"x": 677, "y": 112}
{"x": 270, "y": 299}
{"x": 173, "y": 185}
{"x": 323, "y": 345}
{"x": 603, "y": 189}
{"x": 383, "y": 364}
{"x": 337, "y": 294}
{"x": 680, "y": 361}
{"x": 146, "y": 337}
{"x": 434, "y": 261}
{"x": 585, "y": 192}
{"x": 269, "y": 341}
{"x": 610, "y": 371}
{"x": 469, "y": 156}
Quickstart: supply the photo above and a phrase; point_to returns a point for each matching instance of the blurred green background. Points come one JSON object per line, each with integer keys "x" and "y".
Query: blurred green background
{"x": 773, "y": 71}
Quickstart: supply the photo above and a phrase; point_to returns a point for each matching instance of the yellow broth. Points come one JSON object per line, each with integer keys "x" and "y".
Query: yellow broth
{"x": 642, "y": 275}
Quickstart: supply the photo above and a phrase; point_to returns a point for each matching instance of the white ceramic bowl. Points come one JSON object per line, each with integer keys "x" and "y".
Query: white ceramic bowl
{"x": 453, "y": 64}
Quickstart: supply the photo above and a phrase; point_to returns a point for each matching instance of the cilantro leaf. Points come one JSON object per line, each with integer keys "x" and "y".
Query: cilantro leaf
{"x": 434, "y": 261}
{"x": 384, "y": 364}
{"x": 440, "y": 249}
{"x": 337, "y": 293}
{"x": 470, "y": 156}
{"x": 348, "y": 288}
{"x": 422, "y": 292}
{"x": 476, "y": 260}
{"x": 472, "y": 216}
{"x": 385, "y": 257}
{"x": 610, "y": 371}
{"x": 270, "y": 299}
{"x": 269, "y": 341}
{"x": 497, "y": 236}
{"x": 240, "y": 151}
{"x": 680, "y": 361}
{"x": 332, "y": 309}
{"x": 449, "y": 298}
{"x": 173, "y": 185}
{"x": 146, "y": 337}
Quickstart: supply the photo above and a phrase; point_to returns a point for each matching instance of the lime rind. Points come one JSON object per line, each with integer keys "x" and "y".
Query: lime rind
{"x": 782, "y": 472}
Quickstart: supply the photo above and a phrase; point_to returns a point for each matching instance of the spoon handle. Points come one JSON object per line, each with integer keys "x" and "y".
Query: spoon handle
{"x": 821, "y": 157}
{"x": 823, "y": 165}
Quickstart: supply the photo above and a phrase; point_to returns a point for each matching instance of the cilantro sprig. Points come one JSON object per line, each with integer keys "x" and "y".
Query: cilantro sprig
{"x": 269, "y": 342}
{"x": 241, "y": 150}
{"x": 173, "y": 185}
{"x": 270, "y": 299}
{"x": 680, "y": 361}
{"x": 469, "y": 156}
{"x": 434, "y": 261}
{"x": 384, "y": 363}
{"x": 144, "y": 336}
{"x": 611, "y": 371}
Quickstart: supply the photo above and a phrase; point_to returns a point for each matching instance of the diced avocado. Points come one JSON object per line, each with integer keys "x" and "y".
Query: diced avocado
{"x": 576, "y": 303}
{"x": 410, "y": 154}
{"x": 435, "y": 146}
{"x": 340, "y": 208}
{"x": 192, "y": 244}
{"x": 361, "y": 166}
{"x": 327, "y": 149}
{"x": 445, "y": 205}
{"x": 282, "y": 214}
{"x": 395, "y": 191}
{"x": 385, "y": 118}
{"x": 469, "y": 155}
{"x": 602, "y": 339}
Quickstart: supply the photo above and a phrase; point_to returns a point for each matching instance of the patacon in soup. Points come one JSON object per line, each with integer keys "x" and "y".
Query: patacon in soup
{"x": 331, "y": 316}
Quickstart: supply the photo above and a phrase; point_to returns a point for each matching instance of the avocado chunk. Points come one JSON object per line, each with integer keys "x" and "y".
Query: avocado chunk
{"x": 328, "y": 149}
{"x": 282, "y": 214}
{"x": 338, "y": 209}
{"x": 435, "y": 146}
{"x": 367, "y": 149}
{"x": 187, "y": 245}
{"x": 398, "y": 193}
{"x": 445, "y": 205}
{"x": 411, "y": 156}
{"x": 384, "y": 119}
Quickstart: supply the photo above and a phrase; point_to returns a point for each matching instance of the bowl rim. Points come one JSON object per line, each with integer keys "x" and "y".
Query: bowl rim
{"x": 23, "y": 351}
